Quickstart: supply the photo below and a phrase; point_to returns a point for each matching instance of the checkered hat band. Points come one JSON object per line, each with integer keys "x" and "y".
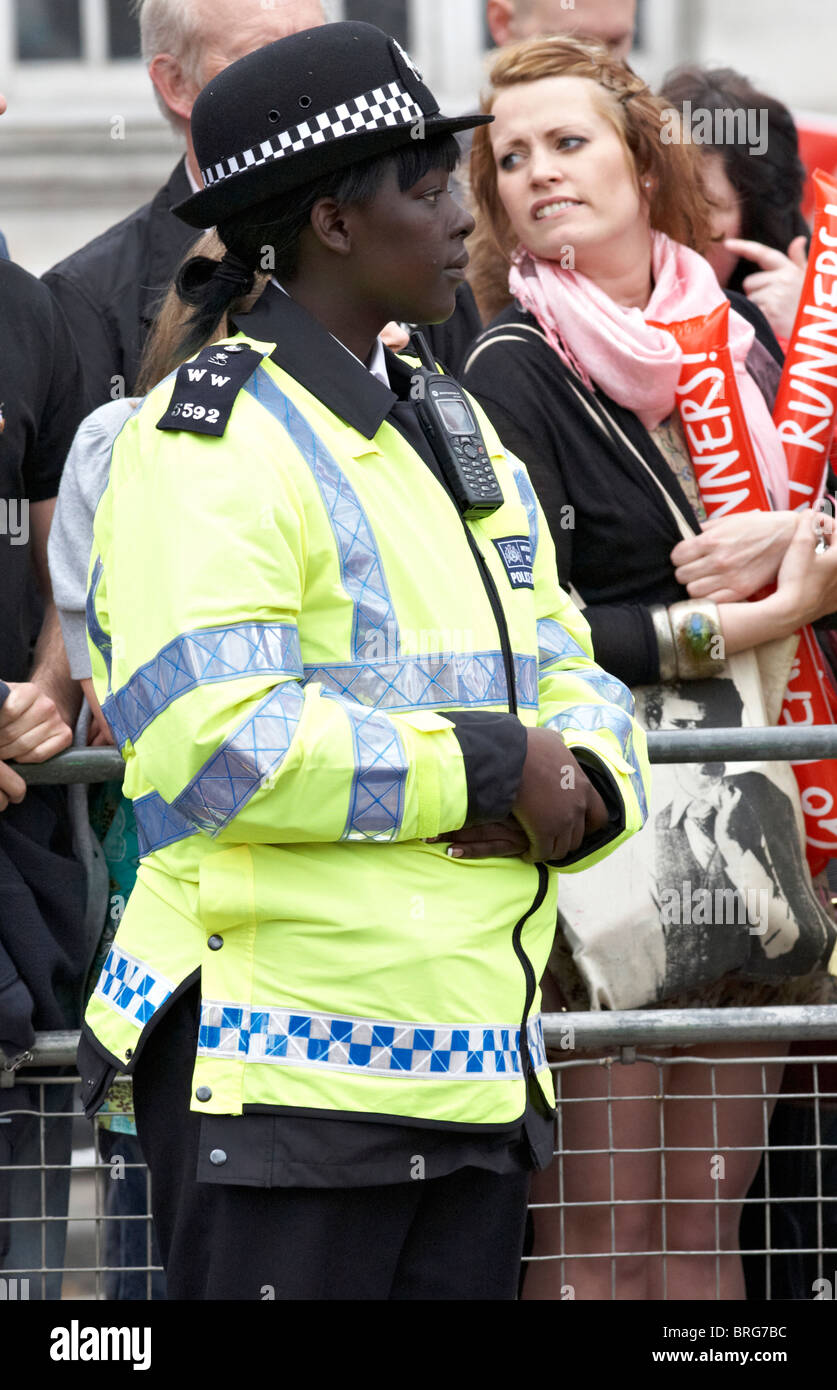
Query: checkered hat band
{"x": 377, "y": 110}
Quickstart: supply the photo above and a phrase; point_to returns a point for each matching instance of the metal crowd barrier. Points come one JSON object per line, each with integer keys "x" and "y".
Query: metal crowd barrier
{"x": 795, "y": 1207}
{"x": 789, "y": 1249}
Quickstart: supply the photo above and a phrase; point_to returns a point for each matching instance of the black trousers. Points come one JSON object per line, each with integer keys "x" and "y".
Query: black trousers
{"x": 456, "y": 1237}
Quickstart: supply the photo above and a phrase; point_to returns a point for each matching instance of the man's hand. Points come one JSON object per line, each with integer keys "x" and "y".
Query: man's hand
{"x": 12, "y": 787}
{"x": 777, "y": 288}
{"x": 557, "y": 805}
{"x": 99, "y": 734}
{"x": 31, "y": 727}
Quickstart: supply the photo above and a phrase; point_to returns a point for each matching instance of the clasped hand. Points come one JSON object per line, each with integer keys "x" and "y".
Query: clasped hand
{"x": 557, "y": 807}
{"x": 734, "y": 557}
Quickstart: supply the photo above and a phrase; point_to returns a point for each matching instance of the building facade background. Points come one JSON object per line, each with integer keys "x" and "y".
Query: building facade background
{"x": 83, "y": 141}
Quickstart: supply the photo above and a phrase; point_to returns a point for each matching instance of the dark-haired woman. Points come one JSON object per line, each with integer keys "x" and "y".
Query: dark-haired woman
{"x": 754, "y": 180}
{"x": 330, "y": 680}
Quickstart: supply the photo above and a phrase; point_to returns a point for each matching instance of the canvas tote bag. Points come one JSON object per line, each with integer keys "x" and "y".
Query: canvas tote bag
{"x": 717, "y": 880}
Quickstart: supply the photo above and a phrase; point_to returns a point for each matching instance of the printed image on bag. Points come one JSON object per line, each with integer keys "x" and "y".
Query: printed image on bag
{"x": 716, "y": 882}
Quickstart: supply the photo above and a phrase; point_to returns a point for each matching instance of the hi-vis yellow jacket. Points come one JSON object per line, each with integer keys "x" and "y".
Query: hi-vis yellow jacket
{"x": 279, "y": 618}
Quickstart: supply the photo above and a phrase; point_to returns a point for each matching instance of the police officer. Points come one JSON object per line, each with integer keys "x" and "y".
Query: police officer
{"x": 363, "y": 728}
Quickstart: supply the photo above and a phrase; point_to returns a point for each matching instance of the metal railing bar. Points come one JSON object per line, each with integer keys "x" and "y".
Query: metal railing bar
{"x": 795, "y": 744}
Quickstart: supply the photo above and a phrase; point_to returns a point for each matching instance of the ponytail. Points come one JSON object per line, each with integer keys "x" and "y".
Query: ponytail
{"x": 210, "y": 287}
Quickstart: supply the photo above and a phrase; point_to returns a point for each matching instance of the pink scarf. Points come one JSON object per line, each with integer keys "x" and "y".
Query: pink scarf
{"x": 637, "y": 365}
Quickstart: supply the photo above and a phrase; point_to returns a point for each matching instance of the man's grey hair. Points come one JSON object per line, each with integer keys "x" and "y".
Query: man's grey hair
{"x": 175, "y": 27}
{"x": 171, "y": 26}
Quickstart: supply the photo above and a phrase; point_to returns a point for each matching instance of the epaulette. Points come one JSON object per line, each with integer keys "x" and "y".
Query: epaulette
{"x": 205, "y": 389}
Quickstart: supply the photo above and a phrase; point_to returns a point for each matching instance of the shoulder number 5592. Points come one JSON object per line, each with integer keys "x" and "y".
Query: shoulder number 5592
{"x": 195, "y": 412}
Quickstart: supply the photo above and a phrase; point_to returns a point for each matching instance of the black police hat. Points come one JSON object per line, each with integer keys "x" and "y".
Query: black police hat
{"x": 302, "y": 107}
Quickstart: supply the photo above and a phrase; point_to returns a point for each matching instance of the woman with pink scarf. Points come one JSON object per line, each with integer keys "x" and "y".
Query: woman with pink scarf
{"x": 589, "y": 239}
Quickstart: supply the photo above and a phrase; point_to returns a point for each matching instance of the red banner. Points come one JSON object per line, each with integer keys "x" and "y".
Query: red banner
{"x": 806, "y": 404}
{"x": 730, "y": 482}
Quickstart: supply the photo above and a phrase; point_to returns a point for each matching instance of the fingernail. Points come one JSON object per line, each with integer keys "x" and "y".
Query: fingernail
{"x": 455, "y": 851}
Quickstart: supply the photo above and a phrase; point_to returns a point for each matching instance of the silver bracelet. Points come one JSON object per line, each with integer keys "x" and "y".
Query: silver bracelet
{"x": 665, "y": 642}
{"x": 698, "y": 643}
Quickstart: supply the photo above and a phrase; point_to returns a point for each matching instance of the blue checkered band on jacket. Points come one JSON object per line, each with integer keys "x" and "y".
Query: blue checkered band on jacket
{"x": 591, "y": 718}
{"x": 376, "y": 801}
{"x": 375, "y": 626}
{"x": 440, "y": 680}
{"x": 373, "y": 1047}
{"x": 201, "y": 657}
{"x": 390, "y": 105}
{"x": 556, "y": 645}
{"x": 98, "y": 636}
{"x": 131, "y": 987}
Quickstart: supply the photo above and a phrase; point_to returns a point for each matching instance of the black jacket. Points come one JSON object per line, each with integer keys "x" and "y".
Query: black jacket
{"x": 613, "y": 531}
{"x": 44, "y": 946}
{"x": 111, "y": 288}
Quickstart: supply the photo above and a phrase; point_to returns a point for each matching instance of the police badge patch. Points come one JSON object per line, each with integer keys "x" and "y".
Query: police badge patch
{"x": 516, "y": 554}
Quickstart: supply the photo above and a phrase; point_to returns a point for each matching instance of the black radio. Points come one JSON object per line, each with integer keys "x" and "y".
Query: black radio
{"x": 455, "y": 438}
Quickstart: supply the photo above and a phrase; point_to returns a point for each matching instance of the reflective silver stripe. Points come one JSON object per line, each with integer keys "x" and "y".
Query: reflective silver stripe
{"x": 592, "y": 718}
{"x": 228, "y": 780}
{"x": 556, "y": 644}
{"x": 439, "y": 680}
{"x": 376, "y": 803}
{"x": 361, "y": 567}
{"x": 607, "y": 688}
{"x": 200, "y": 657}
{"x": 366, "y": 1046}
{"x": 232, "y": 775}
{"x": 98, "y": 636}
{"x": 236, "y": 771}
{"x": 158, "y": 825}
{"x": 527, "y": 497}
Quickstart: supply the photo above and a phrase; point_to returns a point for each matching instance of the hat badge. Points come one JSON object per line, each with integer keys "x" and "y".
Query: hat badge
{"x": 408, "y": 61}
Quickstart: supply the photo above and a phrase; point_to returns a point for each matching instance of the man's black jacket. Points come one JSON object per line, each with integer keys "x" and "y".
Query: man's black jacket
{"x": 111, "y": 288}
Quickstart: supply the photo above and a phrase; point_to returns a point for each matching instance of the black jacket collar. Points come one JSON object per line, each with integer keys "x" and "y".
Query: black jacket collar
{"x": 307, "y": 352}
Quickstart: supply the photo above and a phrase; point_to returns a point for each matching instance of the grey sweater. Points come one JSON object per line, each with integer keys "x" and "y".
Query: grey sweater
{"x": 83, "y": 481}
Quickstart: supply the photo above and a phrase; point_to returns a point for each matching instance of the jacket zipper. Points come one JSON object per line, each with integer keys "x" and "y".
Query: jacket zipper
{"x": 528, "y": 972}
{"x": 543, "y": 877}
{"x": 499, "y": 616}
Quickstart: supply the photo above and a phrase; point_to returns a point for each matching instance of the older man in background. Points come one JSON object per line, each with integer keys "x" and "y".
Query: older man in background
{"x": 110, "y": 289}
{"x": 611, "y": 21}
